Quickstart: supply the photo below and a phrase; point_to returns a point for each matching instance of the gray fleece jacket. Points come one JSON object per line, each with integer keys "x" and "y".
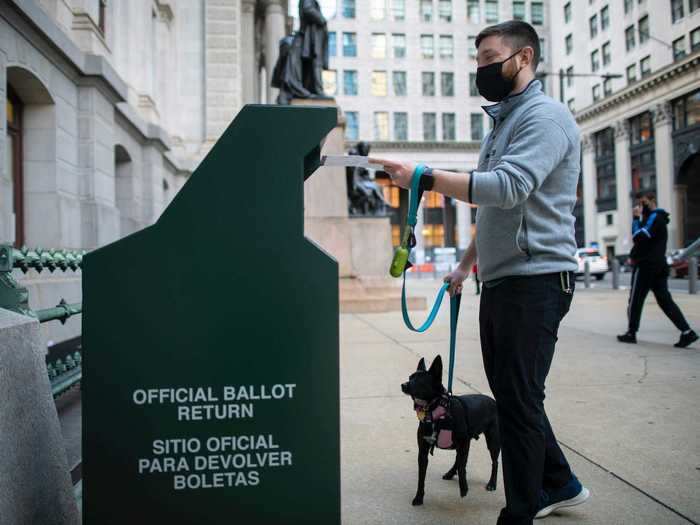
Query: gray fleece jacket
{"x": 525, "y": 186}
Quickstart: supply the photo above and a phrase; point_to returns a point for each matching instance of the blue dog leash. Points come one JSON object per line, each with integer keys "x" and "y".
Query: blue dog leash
{"x": 401, "y": 263}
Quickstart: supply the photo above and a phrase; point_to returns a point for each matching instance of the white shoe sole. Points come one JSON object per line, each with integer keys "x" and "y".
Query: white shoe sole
{"x": 576, "y": 500}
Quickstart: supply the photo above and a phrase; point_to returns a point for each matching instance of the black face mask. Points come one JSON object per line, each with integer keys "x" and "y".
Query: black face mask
{"x": 491, "y": 83}
{"x": 645, "y": 209}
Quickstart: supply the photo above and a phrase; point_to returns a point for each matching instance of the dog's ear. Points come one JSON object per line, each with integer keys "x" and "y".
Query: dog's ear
{"x": 436, "y": 369}
{"x": 421, "y": 365}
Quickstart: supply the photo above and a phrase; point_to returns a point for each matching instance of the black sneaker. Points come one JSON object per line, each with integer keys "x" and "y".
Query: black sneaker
{"x": 629, "y": 337}
{"x": 686, "y": 339}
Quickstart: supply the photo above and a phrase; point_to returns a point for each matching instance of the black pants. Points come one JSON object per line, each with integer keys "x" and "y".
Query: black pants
{"x": 519, "y": 320}
{"x": 656, "y": 280}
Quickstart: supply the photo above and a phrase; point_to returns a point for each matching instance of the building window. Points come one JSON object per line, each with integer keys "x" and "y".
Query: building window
{"x": 631, "y": 73}
{"x": 607, "y": 86}
{"x": 491, "y": 11}
{"x": 608, "y": 219}
{"x": 477, "y": 126}
{"x": 398, "y": 9}
{"x": 641, "y": 129}
{"x": 629, "y": 38}
{"x": 448, "y": 126}
{"x": 606, "y": 53}
{"x": 569, "y": 76}
{"x": 428, "y": 81}
{"x": 348, "y": 9}
{"x": 379, "y": 83}
{"x": 378, "y": 45}
{"x": 12, "y": 202}
{"x": 593, "y": 24}
{"x": 642, "y": 158}
{"x": 543, "y": 47}
{"x": 676, "y": 10}
{"x": 695, "y": 39}
{"x": 426, "y": 10}
{"x": 519, "y": 10}
{"x": 332, "y": 44}
{"x": 569, "y": 44}
{"x": 330, "y": 81}
{"x": 445, "y": 10}
{"x": 567, "y": 12}
{"x": 686, "y": 111}
{"x": 595, "y": 60}
{"x": 429, "y": 124}
{"x": 537, "y": 13}
{"x": 446, "y": 46}
{"x": 679, "y": 48}
{"x": 572, "y": 104}
{"x": 350, "y": 44}
{"x": 350, "y": 82}
{"x": 473, "y": 12}
{"x": 399, "y": 81}
{"x": 628, "y": 6}
{"x": 694, "y": 5}
{"x": 427, "y": 46}
{"x": 471, "y": 46}
{"x": 352, "y": 125}
{"x": 102, "y": 16}
{"x": 447, "y": 84}
{"x": 605, "y": 169}
{"x": 645, "y": 66}
{"x": 401, "y": 126}
{"x": 398, "y": 41}
{"x": 377, "y": 9}
{"x": 604, "y": 18}
{"x": 473, "y": 90}
{"x": 596, "y": 93}
{"x": 381, "y": 125}
{"x": 643, "y": 29}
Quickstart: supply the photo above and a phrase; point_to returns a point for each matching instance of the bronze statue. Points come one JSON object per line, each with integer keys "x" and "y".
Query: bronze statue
{"x": 303, "y": 56}
{"x": 365, "y": 197}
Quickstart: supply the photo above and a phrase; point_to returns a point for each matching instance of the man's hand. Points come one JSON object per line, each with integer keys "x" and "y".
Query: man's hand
{"x": 456, "y": 278}
{"x": 637, "y": 211}
{"x": 401, "y": 173}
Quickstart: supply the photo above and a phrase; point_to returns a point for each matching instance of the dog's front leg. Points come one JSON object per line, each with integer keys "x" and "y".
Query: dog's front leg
{"x": 462, "y": 457}
{"x": 423, "y": 449}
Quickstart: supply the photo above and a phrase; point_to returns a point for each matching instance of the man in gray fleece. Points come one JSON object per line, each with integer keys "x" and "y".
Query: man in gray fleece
{"x": 525, "y": 188}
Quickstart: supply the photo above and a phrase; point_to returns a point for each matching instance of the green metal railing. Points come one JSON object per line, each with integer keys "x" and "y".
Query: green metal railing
{"x": 15, "y": 297}
{"x": 63, "y": 373}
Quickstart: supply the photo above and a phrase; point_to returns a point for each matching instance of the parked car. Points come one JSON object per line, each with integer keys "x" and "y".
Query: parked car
{"x": 598, "y": 264}
{"x": 678, "y": 259}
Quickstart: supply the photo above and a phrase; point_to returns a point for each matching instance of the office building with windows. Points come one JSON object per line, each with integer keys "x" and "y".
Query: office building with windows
{"x": 404, "y": 72}
{"x": 632, "y": 78}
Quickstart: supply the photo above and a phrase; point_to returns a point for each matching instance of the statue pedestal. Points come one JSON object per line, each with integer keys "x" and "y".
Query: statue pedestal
{"x": 362, "y": 245}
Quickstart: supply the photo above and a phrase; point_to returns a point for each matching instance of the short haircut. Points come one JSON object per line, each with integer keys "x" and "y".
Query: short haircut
{"x": 649, "y": 195}
{"x": 517, "y": 35}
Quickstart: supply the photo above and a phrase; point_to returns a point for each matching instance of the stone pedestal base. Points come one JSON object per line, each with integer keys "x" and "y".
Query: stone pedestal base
{"x": 361, "y": 245}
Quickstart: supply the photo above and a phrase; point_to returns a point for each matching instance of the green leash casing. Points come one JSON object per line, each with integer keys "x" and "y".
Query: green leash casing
{"x": 398, "y": 263}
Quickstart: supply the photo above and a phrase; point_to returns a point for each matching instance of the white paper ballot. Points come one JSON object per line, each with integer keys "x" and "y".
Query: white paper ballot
{"x": 349, "y": 161}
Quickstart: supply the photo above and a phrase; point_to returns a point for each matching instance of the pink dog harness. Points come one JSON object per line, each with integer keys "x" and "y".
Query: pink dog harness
{"x": 441, "y": 421}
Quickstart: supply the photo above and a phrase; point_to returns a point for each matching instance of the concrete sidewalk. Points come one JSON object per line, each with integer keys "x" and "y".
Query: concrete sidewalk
{"x": 626, "y": 416}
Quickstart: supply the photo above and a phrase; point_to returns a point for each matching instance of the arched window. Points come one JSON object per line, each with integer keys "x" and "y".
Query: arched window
{"x": 11, "y": 201}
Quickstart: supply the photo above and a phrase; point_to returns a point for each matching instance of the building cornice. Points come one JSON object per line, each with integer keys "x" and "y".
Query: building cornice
{"x": 30, "y": 20}
{"x": 432, "y": 146}
{"x": 663, "y": 76}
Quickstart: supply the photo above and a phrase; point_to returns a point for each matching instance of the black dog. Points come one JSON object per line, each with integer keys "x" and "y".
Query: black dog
{"x": 450, "y": 422}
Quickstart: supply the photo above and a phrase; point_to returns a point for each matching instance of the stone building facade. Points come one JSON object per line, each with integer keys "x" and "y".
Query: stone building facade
{"x": 640, "y": 128}
{"x": 106, "y": 108}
